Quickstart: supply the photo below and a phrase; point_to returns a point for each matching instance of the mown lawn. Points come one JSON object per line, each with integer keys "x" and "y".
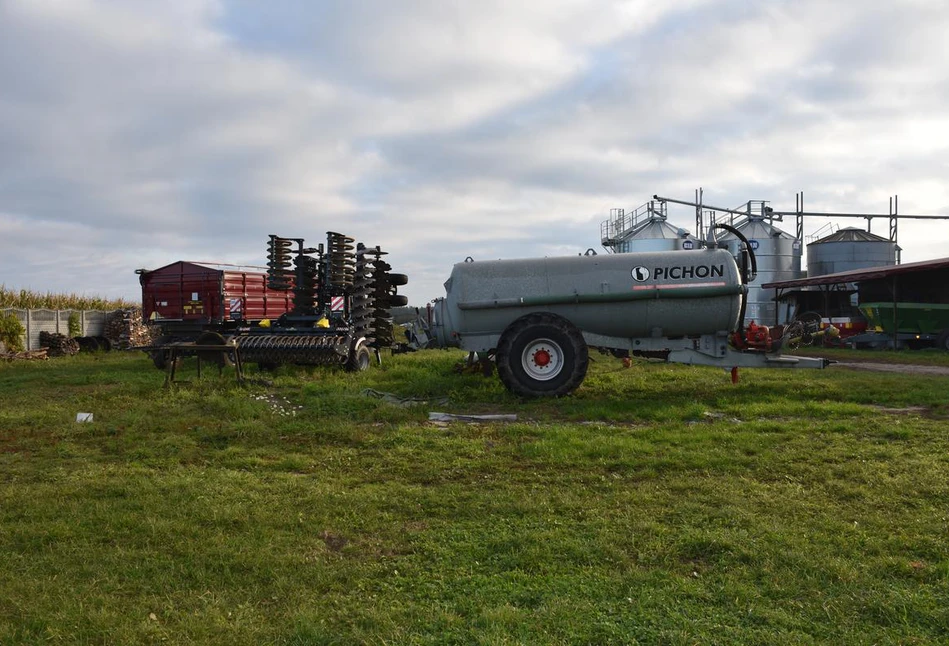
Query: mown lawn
{"x": 657, "y": 505}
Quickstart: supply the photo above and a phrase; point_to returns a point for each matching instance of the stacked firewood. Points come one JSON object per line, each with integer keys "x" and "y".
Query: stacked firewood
{"x": 58, "y": 345}
{"x": 10, "y": 355}
{"x": 125, "y": 329}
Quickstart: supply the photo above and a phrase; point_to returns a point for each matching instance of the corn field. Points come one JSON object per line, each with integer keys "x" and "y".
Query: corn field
{"x": 29, "y": 300}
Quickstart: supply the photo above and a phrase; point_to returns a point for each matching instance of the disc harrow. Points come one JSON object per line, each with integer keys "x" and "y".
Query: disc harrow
{"x": 362, "y": 299}
{"x": 304, "y": 349}
{"x": 342, "y": 260}
{"x": 319, "y": 330}
{"x": 279, "y": 273}
{"x": 304, "y": 292}
{"x": 381, "y": 289}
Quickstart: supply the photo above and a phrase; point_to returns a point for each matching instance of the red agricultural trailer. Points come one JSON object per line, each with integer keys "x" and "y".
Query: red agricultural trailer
{"x": 188, "y": 298}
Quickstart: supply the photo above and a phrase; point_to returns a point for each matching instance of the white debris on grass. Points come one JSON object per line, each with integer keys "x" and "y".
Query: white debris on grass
{"x": 279, "y": 405}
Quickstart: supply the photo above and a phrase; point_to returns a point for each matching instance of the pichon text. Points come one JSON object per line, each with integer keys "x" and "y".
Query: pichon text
{"x": 692, "y": 271}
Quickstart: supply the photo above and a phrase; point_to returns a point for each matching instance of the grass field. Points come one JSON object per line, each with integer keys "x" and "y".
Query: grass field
{"x": 657, "y": 505}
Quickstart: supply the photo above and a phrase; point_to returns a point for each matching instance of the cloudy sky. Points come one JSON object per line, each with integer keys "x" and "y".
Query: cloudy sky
{"x": 134, "y": 133}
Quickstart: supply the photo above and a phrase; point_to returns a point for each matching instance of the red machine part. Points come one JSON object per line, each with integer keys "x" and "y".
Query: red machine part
{"x": 758, "y": 337}
{"x": 846, "y": 325}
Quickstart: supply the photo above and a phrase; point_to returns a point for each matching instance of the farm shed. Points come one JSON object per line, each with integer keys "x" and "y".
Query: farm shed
{"x": 912, "y": 298}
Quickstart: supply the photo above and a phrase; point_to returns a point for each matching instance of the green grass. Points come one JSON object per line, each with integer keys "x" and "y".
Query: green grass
{"x": 657, "y": 505}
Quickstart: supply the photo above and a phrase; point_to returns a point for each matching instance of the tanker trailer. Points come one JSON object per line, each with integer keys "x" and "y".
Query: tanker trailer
{"x": 537, "y": 318}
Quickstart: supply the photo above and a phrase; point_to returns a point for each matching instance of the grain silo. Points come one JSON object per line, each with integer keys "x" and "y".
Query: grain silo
{"x": 644, "y": 229}
{"x": 849, "y": 249}
{"x": 778, "y": 256}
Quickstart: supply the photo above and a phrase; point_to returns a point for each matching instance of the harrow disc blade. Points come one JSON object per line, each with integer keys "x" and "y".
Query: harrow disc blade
{"x": 298, "y": 349}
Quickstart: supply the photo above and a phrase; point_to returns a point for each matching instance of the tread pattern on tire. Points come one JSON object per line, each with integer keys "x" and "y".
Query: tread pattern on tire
{"x": 542, "y": 325}
{"x": 354, "y": 363}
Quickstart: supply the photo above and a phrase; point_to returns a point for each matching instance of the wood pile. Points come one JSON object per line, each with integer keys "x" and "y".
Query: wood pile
{"x": 125, "y": 329}
{"x": 40, "y": 354}
{"x": 58, "y": 345}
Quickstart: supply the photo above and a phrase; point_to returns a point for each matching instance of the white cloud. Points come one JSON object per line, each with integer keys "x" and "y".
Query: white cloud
{"x": 139, "y": 133}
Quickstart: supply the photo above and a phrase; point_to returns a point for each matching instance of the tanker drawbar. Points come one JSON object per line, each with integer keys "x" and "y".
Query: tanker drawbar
{"x": 537, "y": 318}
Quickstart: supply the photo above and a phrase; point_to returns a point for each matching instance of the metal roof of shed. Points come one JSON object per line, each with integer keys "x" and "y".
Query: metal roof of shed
{"x": 857, "y": 275}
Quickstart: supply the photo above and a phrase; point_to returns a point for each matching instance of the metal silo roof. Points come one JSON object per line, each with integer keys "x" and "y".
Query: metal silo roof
{"x": 655, "y": 228}
{"x": 851, "y": 234}
{"x": 757, "y": 229}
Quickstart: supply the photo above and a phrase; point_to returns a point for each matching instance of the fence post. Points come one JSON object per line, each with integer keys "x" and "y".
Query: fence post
{"x": 29, "y": 329}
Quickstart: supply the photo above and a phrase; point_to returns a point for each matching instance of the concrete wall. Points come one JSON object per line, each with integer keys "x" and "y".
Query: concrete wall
{"x": 92, "y": 323}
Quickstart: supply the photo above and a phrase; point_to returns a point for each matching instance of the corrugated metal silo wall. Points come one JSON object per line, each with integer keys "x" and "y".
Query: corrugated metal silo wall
{"x": 832, "y": 257}
{"x": 778, "y": 256}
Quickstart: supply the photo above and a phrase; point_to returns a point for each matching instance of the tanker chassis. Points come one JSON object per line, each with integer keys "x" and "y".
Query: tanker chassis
{"x": 537, "y": 318}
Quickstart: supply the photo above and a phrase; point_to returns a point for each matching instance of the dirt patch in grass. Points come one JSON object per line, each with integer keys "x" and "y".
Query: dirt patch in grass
{"x": 905, "y": 368}
{"x": 908, "y": 410}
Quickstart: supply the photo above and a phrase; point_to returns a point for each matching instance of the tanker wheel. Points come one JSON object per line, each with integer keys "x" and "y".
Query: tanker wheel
{"x": 942, "y": 341}
{"x": 359, "y": 359}
{"x": 542, "y": 355}
{"x": 218, "y": 358}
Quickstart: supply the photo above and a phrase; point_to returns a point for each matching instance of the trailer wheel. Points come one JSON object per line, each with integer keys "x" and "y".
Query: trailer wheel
{"x": 398, "y": 280}
{"x": 161, "y": 357}
{"x": 942, "y": 341}
{"x": 218, "y": 358}
{"x": 542, "y": 355}
{"x": 359, "y": 358}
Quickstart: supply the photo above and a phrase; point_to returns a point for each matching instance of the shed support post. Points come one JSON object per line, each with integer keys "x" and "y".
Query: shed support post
{"x": 896, "y": 317}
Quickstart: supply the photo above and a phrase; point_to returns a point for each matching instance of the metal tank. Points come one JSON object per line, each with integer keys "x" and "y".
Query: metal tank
{"x": 643, "y": 229}
{"x": 651, "y": 294}
{"x": 656, "y": 234}
{"x": 849, "y": 249}
{"x": 778, "y": 257}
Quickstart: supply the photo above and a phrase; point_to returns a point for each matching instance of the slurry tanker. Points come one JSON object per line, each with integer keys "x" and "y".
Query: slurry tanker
{"x": 538, "y": 318}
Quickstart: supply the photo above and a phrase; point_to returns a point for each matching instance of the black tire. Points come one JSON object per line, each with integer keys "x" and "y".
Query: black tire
{"x": 104, "y": 344}
{"x": 221, "y": 358}
{"x": 86, "y": 343}
{"x": 542, "y": 355}
{"x": 398, "y": 300}
{"x": 942, "y": 341}
{"x": 161, "y": 357}
{"x": 359, "y": 359}
{"x": 398, "y": 280}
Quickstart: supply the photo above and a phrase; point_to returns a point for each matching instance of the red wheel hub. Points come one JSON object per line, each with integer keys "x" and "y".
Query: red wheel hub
{"x": 541, "y": 358}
